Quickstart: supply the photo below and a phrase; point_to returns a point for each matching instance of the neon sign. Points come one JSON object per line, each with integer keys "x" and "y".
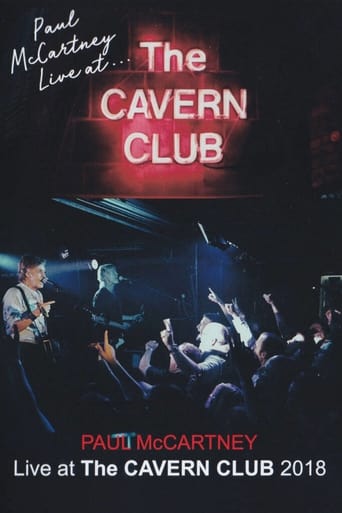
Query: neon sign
{"x": 189, "y": 116}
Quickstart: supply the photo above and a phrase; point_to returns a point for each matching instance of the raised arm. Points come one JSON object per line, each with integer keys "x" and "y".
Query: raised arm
{"x": 130, "y": 388}
{"x": 145, "y": 360}
{"x": 215, "y": 298}
{"x": 235, "y": 318}
{"x": 186, "y": 364}
{"x": 240, "y": 324}
{"x": 282, "y": 325}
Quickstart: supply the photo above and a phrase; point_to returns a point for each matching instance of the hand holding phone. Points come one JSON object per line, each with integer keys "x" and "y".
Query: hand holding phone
{"x": 167, "y": 324}
{"x": 168, "y": 338}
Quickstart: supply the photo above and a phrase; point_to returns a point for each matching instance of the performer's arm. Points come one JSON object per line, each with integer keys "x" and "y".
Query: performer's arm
{"x": 15, "y": 317}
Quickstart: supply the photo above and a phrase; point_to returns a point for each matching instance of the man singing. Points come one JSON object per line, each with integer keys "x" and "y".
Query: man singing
{"x": 25, "y": 320}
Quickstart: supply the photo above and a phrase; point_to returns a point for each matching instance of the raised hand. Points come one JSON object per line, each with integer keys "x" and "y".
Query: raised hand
{"x": 212, "y": 296}
{"x": 230, "y": 309}
{"x": 151, "y": 345}
{"x": 237, "y": 308}
{"x": 46, "y": 307}
{"x": 107, "y": 351}
{"x": 166, "y": 338}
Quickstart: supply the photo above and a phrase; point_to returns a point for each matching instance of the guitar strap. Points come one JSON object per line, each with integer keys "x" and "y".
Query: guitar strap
{"x": 46, "y": 343}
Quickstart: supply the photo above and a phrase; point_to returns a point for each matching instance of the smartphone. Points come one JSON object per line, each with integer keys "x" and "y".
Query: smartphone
{"x": 167, "y": 324}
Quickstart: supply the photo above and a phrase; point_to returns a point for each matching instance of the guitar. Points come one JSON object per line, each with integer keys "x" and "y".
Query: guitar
{"x": 108, "y": 323}
{"x": 123, "y": 326}
{"x": 103, "y": 321}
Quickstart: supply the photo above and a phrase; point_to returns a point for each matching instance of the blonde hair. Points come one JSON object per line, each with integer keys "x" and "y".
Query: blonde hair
{"x": 102, "y": 271}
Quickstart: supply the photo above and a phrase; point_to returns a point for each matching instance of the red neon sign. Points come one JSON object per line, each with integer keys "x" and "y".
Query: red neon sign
{"x": 190, "y": 106}
{"x": 171, "y": 125}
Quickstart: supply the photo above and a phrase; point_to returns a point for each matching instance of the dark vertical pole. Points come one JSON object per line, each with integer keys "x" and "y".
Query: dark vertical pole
{"x": 196, "y": 288}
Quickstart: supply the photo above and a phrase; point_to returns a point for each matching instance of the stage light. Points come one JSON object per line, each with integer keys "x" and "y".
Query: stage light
{"x": 215, "y": 239}
{"x": 9, "y": 264}
{"x": 93, "y": 264}
{"x": 64, "y": 253}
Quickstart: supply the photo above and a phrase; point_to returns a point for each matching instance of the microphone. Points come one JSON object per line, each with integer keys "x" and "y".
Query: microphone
{"x": 52, "y": 284}
{"x": 124, "y": 278}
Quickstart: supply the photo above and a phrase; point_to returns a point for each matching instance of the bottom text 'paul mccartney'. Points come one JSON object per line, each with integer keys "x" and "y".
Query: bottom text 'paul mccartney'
{"x": 168, "y": 442}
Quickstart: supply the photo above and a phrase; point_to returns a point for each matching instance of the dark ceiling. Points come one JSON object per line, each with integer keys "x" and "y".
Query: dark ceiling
{"x": 306, "y": 233}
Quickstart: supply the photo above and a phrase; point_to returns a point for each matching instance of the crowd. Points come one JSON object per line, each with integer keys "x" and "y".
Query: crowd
{"x": 235, "y": 377}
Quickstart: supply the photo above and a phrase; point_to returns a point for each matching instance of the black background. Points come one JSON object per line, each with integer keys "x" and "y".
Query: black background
{"x": 291, "y": 236}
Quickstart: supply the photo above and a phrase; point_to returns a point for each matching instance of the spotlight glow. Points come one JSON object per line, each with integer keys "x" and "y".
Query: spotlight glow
{"x": 94, "y": 264}
{"x": 9, "y": 263}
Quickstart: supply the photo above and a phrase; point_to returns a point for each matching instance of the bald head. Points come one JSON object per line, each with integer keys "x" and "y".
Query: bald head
{"x": 214, "y": 336}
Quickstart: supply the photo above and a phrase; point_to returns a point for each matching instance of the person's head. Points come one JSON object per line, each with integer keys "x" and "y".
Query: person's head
{"x": 107, "y": 275}
{"x": 31, "y": 271}
{"x": 205, "y": 319}
{"x": 214, "y": 336}
{"x": 267, "y": 345}
{"x": 190, "y": 350}
{"x": 317, "y": 332}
